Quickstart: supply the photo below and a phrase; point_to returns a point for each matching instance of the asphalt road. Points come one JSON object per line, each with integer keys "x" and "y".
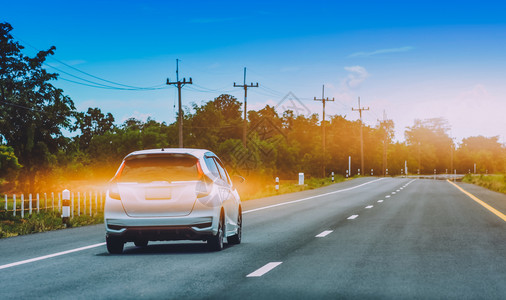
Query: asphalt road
{"x": 426, "y": 239}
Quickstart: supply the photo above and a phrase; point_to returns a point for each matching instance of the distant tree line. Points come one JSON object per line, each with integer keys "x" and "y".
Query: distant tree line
{"x": 35, "y": 154}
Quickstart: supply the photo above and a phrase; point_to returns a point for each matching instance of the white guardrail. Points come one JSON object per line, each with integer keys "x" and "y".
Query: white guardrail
{"x": 81, "y": 203}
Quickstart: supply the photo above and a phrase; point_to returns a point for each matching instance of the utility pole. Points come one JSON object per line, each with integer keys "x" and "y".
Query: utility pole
{"x": 385, "y": 142}
{"x": 451, "y": 158}
{"x": 323, "y": 100}
{"x": 360, "y": 109}
{"x": 179, "y": 84}
{"x": 245, "y": 86}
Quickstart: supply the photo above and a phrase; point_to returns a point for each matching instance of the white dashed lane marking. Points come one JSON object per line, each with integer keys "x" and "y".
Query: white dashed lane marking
{"x": 370, "y": 206}
{"x": 380, "y": 201}
{"x": 324, "y": 234}
{"x": 264, "y": 269}
{"x": 352, "y": 217}
{"x": 387, "y": 196}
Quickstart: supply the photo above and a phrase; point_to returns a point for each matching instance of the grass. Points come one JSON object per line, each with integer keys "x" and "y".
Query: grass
{"x": 45, "y": 221}
{"x": 492, "y": 182}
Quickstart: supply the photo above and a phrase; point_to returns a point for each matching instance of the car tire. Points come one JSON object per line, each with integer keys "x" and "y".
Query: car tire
{"x": 114, "y": 245}
{"x": 215, "y": 242}
{"x": 236, "y": 238}
{"x": 141, "y": 243}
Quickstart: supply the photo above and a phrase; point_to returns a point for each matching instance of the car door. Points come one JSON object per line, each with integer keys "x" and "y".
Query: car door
{"x": 218, "y": 180}
{"x": 231, "y": 199}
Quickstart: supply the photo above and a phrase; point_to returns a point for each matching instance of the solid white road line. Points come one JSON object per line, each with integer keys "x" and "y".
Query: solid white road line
{"x": 49, "y": 256}
{"x": 352, "y": 217}
{"x": 308, "y": 198}
{"x": 324, "y": 234}
{"x": 380, "y": 201}
{"x": 369, "y": 206}
{"x": 264, "y": 269}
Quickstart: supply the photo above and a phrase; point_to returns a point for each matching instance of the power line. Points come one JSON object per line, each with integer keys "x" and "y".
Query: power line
{"x": 97, "y": 84}
{"x": 21, "y": 106}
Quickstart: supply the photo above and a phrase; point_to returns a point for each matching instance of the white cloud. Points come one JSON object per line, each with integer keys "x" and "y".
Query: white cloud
{"x": 382, "y": 51}
{"x": 478, "y": 91}
{"x": 356, "y": 76}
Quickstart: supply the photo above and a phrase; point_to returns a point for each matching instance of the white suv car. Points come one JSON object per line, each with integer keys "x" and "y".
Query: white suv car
{"x": 172, "y": 194}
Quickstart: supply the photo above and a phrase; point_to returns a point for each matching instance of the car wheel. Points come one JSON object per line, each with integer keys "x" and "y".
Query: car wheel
{"x": 141, "y": 243}
{"x": 216, "y": 241}
{"x": 236, "y": 238}
{"x": 114, "y": 245}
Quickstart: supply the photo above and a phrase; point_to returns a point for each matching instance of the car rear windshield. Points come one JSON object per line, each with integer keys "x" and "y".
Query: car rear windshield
{"x": 169, "y": 167}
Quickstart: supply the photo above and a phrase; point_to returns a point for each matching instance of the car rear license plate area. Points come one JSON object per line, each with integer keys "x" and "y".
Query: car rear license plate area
{"x": 157, "y": 193}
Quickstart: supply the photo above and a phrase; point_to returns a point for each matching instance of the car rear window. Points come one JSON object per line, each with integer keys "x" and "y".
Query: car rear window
{"x": 148, "y": 168}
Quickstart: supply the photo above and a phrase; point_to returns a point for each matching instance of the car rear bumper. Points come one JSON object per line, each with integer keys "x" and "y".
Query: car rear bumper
{"x": 163, "y": 229}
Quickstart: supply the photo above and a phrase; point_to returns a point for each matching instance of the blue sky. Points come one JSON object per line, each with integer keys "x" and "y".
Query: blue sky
{"x": 410, "y": 59}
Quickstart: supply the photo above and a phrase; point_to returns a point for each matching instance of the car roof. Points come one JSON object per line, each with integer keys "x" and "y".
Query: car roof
{"x": 195, "y": 152}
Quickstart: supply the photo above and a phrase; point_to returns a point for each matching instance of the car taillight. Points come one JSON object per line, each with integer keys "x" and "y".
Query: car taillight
{"x": 203, "y": 187}
{"x": 114, "y": 191}
{"x": 199, "y": 170}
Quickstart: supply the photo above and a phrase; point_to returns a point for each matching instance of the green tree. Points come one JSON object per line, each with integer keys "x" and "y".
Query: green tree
{"x": 213, "y": 123}
{"x": 8, "y": 162}
{"x": 487, "y": 153}
{"x": 430, "y": 143}
{"x": 33, "y": 110}
{"x": 93, "y": 123}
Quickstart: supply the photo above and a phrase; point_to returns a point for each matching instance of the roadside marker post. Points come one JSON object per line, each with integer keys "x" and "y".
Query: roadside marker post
{"x": 22, "y": 206}
{"x": 301, "y": 178}
{"x": 14, "y": 205}
{"x": 6, "y": 202}
{"x": 332, "y": 176}
{"x": 72, "y": 205}
{"x": 358, "y": 172}
{"x": 30, "y": 204}
{"x": 277, "y": 184}
{"x": 372, "y": 172}
{"x": 347, "y": 173}
{"x": 65, "y": 206}
{"x": 38, "y": 203}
